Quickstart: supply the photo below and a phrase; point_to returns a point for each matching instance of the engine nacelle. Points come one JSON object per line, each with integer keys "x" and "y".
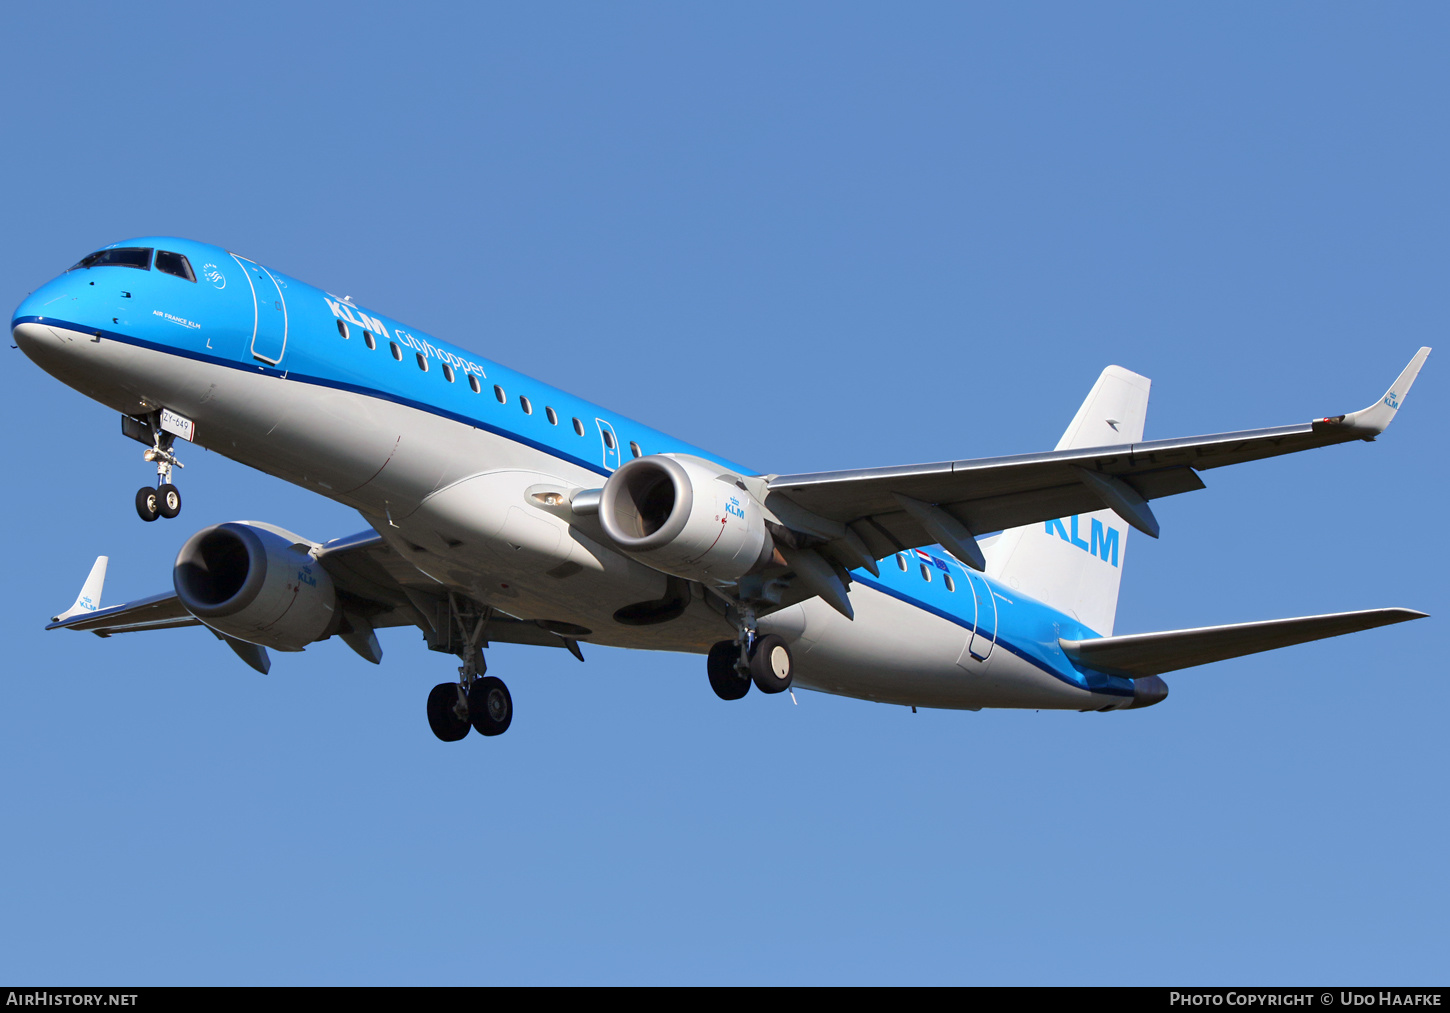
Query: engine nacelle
{"x": 256, "y": 583}
{"x": 685, "y": 516}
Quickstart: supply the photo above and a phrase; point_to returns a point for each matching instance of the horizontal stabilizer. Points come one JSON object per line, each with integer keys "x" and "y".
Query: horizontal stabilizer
{"x": 1139, "y": 655}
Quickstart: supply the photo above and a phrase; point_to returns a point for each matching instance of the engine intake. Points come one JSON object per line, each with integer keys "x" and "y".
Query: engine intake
{"x": 256, "y": 583}
{"x": 685, "y": 516}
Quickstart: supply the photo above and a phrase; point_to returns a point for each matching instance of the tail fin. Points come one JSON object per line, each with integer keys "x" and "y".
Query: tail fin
{"x": 1075, "y": 563}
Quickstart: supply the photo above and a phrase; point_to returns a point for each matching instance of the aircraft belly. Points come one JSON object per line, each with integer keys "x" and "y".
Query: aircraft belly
{"x": 486, "y": 535}
{"x": 895, "y": 653}
{"x": 73, "y": 356}
{"x": 332, "y": 442}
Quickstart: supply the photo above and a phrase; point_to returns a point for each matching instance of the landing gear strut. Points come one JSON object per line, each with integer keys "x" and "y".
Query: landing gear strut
{"x": 476, "y": 700}
{"x": 165, "y": 499}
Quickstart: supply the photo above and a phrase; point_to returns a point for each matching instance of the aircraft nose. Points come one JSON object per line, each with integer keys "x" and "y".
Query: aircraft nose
{"x": 30, "y": 307}
{"x": 25, "y": 324}
{"x": 50, "y": 300}
{"x": 31, "y": 322}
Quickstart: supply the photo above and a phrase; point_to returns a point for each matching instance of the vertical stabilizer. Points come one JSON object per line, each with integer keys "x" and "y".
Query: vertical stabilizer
{"x": 1076, "y": 563}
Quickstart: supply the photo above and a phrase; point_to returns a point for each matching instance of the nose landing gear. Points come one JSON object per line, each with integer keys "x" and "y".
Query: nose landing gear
{"x": 165, "y": 499}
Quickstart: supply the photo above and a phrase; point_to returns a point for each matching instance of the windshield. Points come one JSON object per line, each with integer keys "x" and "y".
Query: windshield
{"x": 174, "y": 263}
{"x": 125, "y": 256}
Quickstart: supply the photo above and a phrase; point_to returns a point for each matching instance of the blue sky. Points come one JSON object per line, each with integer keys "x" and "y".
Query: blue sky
{"x": 805, "y": 237}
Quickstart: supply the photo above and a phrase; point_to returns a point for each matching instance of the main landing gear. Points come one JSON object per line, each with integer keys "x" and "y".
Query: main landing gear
{"x": 734, "y": 664}
{"x": 476, "y": 700}
{"x": 485, "y": 706}
{"x": 165, "y": 499}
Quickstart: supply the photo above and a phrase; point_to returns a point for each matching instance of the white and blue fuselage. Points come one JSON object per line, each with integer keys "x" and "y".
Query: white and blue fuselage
{"x": 442, "y": 450}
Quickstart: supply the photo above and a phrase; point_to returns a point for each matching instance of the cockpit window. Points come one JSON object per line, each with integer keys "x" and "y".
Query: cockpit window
{"x": 125, "y": 256}
{"x": 176, "y": 264}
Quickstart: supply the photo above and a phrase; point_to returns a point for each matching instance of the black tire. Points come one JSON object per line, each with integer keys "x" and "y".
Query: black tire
{"x": 147, "y": 503}
{"x": 727, "y": 683}
{"x": 442, "y": 717}
{"x": 771, "y": 666}
{"x": 168, "y": 501}
{"x": 490, "y": 707}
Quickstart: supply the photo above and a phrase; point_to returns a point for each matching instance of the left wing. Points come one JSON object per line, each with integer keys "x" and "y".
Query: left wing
{"x": 860, "y": 516}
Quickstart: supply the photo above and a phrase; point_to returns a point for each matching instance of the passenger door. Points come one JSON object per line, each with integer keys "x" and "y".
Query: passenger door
{"x": 269, "y": 333}
{"x": 984, "y": 635}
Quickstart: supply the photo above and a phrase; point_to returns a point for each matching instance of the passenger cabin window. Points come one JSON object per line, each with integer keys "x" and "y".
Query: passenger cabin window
{"x": 901, "y": 562}
{"x": 951, "y": 584}
{"x": 177, "y": 266}
{"x": 609, "y": 439}
{"x": 369, "y": 340}
{"x": 634, "y": 448}
{"x": 473, "y": 382}
{"x": 341, "y": 324}
{"x": 125, "y": 256}
{"x": 551, "y": 415}
{"x": 925, "y": 573}
{"x": 498, "y": 393}
{"x": 422, "y": 362}
{"x": 448, "y": 372}
{"x": 578, "y": 428}
{"x": 526, "y": 405}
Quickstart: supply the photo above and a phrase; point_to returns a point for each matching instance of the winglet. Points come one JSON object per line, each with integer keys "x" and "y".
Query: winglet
{"x": 1377, "y": 417}
{"x": 89, "y": 600}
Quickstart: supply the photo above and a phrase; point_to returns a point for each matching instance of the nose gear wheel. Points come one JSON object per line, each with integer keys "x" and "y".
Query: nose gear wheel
{"x": 148, "y": 504}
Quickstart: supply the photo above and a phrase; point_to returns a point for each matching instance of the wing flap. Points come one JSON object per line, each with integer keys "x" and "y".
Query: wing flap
{"x": 1139, "y": 655}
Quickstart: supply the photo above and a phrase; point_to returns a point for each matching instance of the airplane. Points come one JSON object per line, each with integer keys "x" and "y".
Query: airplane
{"x": 502, "y": 510}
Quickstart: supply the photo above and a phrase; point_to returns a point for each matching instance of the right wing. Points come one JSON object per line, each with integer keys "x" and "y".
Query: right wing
{"x": 376, "y": 589}
{"x": 158, "y": 612}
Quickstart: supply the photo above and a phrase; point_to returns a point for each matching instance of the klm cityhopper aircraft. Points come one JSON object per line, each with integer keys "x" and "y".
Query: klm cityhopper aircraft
{"x": 502, "y": 509}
